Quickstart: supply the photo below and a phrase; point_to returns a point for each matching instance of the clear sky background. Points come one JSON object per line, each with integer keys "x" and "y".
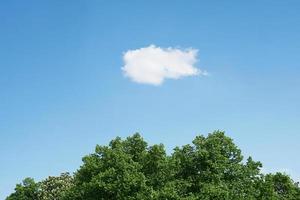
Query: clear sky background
{"x": 62, "y": 90}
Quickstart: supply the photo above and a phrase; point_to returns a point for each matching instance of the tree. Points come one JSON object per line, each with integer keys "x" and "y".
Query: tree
{"x": 113, "y": 172}
{"x": 27, "y": 190}
{"x": 279, "y": 187}
{"x": 52, "y": 188}
{"x": 211, "y": 168}
{"x": 55, "y": 187}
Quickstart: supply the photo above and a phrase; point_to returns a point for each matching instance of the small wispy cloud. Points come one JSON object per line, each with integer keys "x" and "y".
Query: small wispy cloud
{"x": 152, "y": 64}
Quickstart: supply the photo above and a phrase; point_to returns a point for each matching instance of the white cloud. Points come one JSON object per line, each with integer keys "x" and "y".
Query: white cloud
{"x": 152, "y": 65}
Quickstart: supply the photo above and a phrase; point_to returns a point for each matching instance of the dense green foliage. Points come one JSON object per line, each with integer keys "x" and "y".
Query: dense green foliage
{"x": 55, "y": 187}
{"x": 52, "y": 188}
{"x": 211, "y": 168}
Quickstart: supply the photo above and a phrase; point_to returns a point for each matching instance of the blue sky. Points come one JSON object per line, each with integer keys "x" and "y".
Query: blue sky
{"x": 63, "y": 90}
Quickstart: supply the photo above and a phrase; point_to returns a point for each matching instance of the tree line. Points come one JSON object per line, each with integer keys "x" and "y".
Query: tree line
{"x": 211, "y": 168}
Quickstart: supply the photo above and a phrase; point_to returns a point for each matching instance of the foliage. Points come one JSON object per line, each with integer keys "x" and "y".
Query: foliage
{"x": 211, "y": 168}
{"x": 54, "y": 188}
{"x": 27, "y": 190}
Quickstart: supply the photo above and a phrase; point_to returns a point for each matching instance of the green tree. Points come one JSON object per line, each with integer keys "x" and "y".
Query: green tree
{"x": 27, "y": 190}
{"x": 211, "y": 168}
{"x": 113, "y": 172}
{"x": 55, "y": 187}
{"x": 278, "y": 187}
{"x": 214, "y": 169}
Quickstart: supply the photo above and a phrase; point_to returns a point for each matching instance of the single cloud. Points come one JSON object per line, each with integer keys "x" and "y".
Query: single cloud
{"x": 152, "y": 64}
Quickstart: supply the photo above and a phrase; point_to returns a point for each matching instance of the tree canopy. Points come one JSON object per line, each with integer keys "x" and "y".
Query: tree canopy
{"x": 211, "y": 168}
